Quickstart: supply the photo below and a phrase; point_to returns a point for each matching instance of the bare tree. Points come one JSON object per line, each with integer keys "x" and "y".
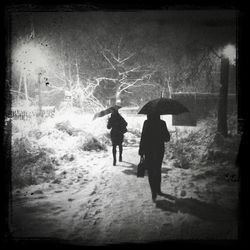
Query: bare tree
{"x": 65, "y": 74}
{"x": 126, "y": 74}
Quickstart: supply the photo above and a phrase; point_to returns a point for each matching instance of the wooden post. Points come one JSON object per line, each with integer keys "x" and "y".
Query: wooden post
{"x": 222, "y": 108}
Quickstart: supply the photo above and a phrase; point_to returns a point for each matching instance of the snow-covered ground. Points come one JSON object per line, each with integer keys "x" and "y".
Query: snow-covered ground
{"x": 90, "y": 201}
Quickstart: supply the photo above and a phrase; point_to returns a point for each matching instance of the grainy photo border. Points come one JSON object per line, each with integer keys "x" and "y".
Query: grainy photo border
{"x": 90, "y": 6}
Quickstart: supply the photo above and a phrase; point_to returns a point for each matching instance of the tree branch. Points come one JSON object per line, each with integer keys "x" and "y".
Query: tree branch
{"x": 108, "y": 60}
{"x": 18, "y": 92}
{"x": 119, "y": 45}
{"x": 105, "y": 78}
{"x": 127, "y": 91}
{"x": 131, "y": 70}
{"x": 129, "y": 85}
{"x": 144, "y": 84}
{"x": 125, "y": 59}
{"x": 216, "y": 54}
{"x": 64, "y": 78}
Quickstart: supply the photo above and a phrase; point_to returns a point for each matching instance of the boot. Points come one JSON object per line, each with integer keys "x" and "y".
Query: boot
{"x": 120, "y": 158}
{"x": 159, "y": 192}
{"x": 154, "y": 195}
{"x": 114, "y": 162}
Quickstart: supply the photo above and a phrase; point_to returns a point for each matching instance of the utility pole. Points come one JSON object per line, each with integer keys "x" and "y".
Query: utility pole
{"x": 222, "y": 109}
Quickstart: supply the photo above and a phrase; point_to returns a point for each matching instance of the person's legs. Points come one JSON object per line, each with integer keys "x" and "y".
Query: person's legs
{"x": 151, "y": 183}
{"x": 158, "y": 180}
{"x": 158, "y": 172}
{"x": 154, "y": 173}
{"x": 120, "y": 152}
{"x": 152, "y": 180}
{"x": 114, "y": 154}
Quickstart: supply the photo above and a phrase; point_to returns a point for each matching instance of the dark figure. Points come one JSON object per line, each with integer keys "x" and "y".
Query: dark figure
{"x": 117, "y": 124}
{"x": 154, "y": 134}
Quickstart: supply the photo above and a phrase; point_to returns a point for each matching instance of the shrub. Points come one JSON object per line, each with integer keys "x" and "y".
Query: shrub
{"x": 204, "y": 144}
{"x": 66, "y": 126}
{"x": 30, "y": 164}
{"x": 89, "y": 143}
{"x": 105, "y": 139}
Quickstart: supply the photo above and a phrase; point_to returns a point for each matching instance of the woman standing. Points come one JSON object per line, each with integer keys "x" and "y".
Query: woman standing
{"x": 154, "y": 134}
{"x": 118, "y": 125}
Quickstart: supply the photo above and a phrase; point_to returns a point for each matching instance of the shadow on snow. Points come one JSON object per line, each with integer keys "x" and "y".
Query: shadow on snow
{"x": 132, "y": 169}
{"x": 202, "y": 210}
{"x": 205, "y": 211}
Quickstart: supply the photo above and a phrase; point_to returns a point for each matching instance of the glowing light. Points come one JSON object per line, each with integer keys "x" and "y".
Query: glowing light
{"x": 229, "y": 52}
{"x": 29, "y": 58}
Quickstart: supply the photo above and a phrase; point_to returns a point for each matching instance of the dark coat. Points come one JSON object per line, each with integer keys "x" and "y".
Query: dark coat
{"x": 154, "y": 134}
{"x": 117, "y": 124}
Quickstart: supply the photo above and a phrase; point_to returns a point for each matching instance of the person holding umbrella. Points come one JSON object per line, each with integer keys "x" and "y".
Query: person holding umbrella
{"x": 118, "y": 125}
{"x": 154, "y": 135}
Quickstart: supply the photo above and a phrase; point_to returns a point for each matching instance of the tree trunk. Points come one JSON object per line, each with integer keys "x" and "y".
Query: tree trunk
{"x": 77, "y": 74}
{"x": 222, "y": 109}
{"x": 40, "y": 94}
{"x": 163, "y": 93}
{"x": 169, "y": 88}
{"x": 117, "y": 94}
{"x": 118, "y": 98}
{"x": 20, "y": 86}
{"x": 25, "y": 88}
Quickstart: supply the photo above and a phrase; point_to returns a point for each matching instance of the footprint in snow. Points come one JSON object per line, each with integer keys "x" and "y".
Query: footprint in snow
{"x": 183, "y": 193}
{"x": 58, "y": 191}
{"x": 40, "y": 197}
{"x": 56, "y": 208}
{"x": 97, "y": 211}
{"x": 37, "y": 192}
{"x": 59, "y": 211}
{"x": 94, "y": 191}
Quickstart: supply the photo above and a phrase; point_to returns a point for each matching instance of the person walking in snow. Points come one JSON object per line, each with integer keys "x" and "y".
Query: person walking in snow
{"x": 154, "y": 134}
{"x": 118, "y": 125}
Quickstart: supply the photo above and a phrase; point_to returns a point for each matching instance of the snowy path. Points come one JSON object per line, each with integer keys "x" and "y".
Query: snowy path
{"x": 93, "y": 202}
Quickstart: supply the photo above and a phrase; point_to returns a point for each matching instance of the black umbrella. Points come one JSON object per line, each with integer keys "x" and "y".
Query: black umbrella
{"x": 106, "y": 111}
{"x": 163, "y": 106}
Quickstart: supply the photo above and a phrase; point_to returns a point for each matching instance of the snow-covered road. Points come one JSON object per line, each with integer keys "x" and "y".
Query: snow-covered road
{"x": 93, "y": 202}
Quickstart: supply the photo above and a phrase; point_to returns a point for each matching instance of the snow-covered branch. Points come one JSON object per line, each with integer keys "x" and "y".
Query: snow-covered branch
{"x": 128, "y": 91}
{"x": 130, "y": 84}
{"x": 99, "y": 79}
{"x": 57, "y": 88}
{"x": 113, "y": 55}
{"x": 119, "y": 46}
{"x": 108, "y": 60}
{"x": 130, "y": 70}
{"x": 143, "y": 84}
{"x": 125, "y": 59}
{"x": 58, "y": 76}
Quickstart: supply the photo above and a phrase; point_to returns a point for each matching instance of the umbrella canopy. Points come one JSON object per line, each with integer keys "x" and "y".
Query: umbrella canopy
{"x": 163, "y": 106}
{"x": 106, "y": 111}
